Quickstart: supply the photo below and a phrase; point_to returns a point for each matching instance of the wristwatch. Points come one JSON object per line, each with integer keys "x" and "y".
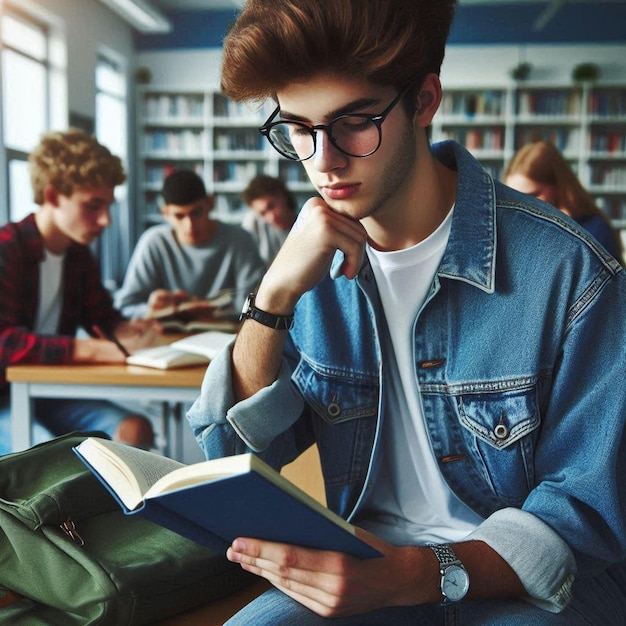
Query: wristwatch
{"x": 454, "y": 577}
{"x": 251, "y": 312}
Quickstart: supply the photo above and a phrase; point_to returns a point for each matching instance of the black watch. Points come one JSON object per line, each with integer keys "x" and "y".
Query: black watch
{"x": 454, "y": 582}
{"x": 251, "y": 312}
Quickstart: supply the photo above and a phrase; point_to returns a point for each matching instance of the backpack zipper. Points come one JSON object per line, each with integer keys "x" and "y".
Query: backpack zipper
{"x": 69, "y": 528}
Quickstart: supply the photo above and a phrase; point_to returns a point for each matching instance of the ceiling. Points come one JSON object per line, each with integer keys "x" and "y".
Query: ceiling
{"x": 170, "y": 5}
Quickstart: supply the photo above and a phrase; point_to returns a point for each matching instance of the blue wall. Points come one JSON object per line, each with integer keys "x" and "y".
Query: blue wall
{"x": 584, "y": 22}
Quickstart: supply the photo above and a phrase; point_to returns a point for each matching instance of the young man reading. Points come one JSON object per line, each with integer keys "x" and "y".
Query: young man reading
{"x": 271, "y": 216}
{"x": 462, "y": 379}
{"x": 50, "y": 286}
{"x": 191, "y": 256}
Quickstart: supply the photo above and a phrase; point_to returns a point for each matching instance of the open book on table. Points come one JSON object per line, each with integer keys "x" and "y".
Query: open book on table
{"x": 192, "y": 350}
{"x": 216, "y": 501}
{"x": 196, "y": 315}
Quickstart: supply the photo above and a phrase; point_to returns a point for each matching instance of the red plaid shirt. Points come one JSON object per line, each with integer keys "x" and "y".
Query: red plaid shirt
{"x": 85, "y": 300}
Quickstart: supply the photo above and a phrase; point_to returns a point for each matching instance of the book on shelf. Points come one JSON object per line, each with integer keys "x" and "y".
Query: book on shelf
{"x": 193, "y": 350}
{"x": 214, "y": 502}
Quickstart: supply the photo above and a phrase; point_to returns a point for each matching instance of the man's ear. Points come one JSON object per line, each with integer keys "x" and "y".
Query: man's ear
{"x": 164, "y": 211}
{"x": 51, "y": 196}
{"x": 210, "y": 202}
{"x": 427, "y": 100}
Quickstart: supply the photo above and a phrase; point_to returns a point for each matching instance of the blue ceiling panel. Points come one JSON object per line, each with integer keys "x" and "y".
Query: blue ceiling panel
{"x": 575, "y": 22}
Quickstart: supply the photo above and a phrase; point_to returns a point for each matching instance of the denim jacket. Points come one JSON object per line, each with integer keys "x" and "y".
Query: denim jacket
{"x": 520, "y": 354}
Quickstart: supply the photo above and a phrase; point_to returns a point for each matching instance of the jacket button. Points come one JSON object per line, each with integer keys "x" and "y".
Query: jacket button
{"x": 334, "y": 409}
{"x": 501, "y": 431}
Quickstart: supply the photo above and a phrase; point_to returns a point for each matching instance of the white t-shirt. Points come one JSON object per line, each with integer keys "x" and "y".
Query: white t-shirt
{"x": 50, "y": 294}
{"x": 410, "y": 503}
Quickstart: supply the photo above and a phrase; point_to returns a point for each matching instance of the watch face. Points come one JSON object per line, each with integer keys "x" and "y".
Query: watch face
{"x": 455, "y": 583}
{"x": 246, "y": 306}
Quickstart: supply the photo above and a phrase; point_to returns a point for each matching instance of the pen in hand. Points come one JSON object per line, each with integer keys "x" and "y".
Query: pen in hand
{"x": 110, "y": 337}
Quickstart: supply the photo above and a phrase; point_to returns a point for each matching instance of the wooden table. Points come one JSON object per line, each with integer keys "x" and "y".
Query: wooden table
{"x": 112, "y": 382}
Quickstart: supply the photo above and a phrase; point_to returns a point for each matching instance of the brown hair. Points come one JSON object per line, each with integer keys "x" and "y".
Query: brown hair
{"x": 543, "y": 163}
{"x": 72, "y": 160}
{"x": 263, "y": 185}
{"x": 389, "y": 42}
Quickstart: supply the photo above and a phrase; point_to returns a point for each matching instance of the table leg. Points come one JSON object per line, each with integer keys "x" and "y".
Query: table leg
{"x": 177, "y": 414}
{"x": 172, "y": 428}
{"x": 21, "y": 416}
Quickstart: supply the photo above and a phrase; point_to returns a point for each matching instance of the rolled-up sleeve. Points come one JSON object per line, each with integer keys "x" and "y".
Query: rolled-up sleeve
{"x": 222, "y": 427}
{"x": 541, "y": 559}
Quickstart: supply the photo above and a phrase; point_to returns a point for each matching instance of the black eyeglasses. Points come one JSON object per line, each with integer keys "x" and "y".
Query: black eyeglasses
{"x": 355, "y": 134}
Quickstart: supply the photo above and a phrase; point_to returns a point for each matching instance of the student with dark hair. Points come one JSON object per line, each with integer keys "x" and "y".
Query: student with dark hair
{"x": 50, "y": 287}
{"x": 191, "y": 256}
{"x": 271, "y": 216}
{"x": 455, "y": 349}
{"x": 539, "y": 169}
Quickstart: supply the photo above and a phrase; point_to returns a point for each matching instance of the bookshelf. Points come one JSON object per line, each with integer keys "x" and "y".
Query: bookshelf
{"x": 587, "y": 122}
{"x": 219, "y": 139}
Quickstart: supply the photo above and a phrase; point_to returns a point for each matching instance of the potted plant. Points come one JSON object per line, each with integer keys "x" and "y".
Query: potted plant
{"x": 585, "y": 72}
{"x": 521, "y": 71}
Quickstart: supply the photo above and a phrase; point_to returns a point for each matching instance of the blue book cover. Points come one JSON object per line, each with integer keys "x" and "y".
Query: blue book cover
{"x": 216, "y": 501}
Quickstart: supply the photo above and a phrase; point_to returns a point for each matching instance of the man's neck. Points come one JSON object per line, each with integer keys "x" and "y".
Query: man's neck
{"x": 53, "y": 238}
{"x": 418, "y": 213}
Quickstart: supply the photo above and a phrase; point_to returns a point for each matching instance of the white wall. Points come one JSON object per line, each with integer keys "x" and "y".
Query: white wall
{"x": 463, "y": 65}
{"x": 491, "y": 65}
{"x": 180, "y": 69}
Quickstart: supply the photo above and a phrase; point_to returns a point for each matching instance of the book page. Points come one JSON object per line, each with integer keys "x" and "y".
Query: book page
{"x": 199, "y": 473}
{"x": 129, "y": 471}
{"x": 165, "y": 357}
{"x": 207, "y": 344}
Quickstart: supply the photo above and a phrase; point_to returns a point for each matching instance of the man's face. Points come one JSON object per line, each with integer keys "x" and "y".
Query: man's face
{"x": 83, "y": 216}
{"x": 274, "y": 209}
{"x": 190, "y": 222}
{"x": 357, "y": 187}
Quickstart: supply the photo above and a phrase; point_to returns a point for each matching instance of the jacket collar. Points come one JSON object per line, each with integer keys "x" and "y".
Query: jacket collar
{"x": 471, "y": 251}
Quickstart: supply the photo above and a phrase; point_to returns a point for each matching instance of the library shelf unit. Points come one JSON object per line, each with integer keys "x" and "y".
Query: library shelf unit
{"x": 219, "y": 139}
{"x": 587, "y": 122}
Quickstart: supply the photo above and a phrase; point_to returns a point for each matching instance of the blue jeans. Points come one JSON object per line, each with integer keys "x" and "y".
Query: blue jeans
{"x": 59, "y": 416}
{"x": 599, "y": 601}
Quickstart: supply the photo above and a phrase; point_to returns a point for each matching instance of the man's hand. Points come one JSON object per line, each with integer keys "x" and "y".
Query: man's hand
{"x": 333, "y": 584}
{"x": 138, "y": 334}
{"x": 162, "y": 298}
{"x": 305, "y": 257}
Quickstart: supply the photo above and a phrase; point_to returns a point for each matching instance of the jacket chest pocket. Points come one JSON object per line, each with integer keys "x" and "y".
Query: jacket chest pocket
{"x": 336, "y": 396}
{"x": 501, "y": 428}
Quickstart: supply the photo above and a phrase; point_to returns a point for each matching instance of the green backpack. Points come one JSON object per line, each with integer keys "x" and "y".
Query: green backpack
{"x": 76, "y": 559}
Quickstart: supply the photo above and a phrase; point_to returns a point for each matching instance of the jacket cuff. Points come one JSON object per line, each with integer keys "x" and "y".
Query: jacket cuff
{"x": 258, "y": 420}
{"x": 543, "y": 562}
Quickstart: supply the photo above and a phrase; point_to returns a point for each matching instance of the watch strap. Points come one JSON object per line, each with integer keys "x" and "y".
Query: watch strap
{"x": 252, "y": 312}
{"x": 444, "y": 553}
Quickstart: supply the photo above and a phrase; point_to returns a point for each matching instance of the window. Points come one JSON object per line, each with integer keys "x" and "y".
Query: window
{"x": 32, "y": 101}
{"x": 112, "y": 131}
{"x": 111, "y": 108}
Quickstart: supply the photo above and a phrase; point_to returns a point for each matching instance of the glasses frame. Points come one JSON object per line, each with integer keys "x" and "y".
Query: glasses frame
{"x": 376, "y": 118}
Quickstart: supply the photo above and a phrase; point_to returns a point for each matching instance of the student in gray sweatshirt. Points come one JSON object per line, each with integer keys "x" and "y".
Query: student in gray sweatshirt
{"x": 190, "y": 256}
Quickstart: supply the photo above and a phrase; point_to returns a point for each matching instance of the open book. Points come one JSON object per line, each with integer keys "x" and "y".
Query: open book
{"x": 214, "y": 502}
{"x": 196, "y": 315}
{"x": 193, "y": 350}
